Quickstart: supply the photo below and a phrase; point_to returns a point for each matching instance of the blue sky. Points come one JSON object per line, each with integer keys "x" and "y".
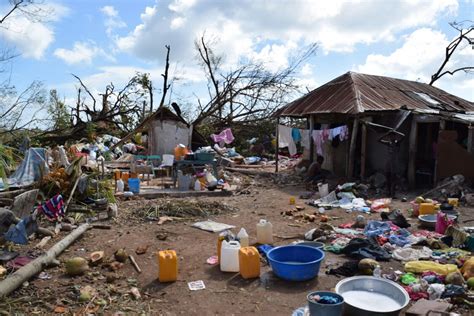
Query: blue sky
{"x": 103, "y": 41}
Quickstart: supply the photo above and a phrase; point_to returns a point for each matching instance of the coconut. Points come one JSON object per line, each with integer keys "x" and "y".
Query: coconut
{"x": 76, "y": 266}
{"x": 96, "y": 257}
{"x": 455, "y": 278}
{"x": 121, "y": 255}
{"x": 470, "y": 283}
{"x": 367, "y": 266}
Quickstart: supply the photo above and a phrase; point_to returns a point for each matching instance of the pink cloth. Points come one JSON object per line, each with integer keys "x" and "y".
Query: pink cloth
{"x": 223, "y": 137}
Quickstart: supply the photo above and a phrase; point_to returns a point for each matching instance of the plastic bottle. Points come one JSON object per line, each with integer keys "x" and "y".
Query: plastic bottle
{"x": 243, "y": 237}
{"x": 120, "y": 185}
{"x": 264, "y": 232}
{"x": 377, "y": 272}
{"x": 197, "y": 185}
{"x": 229, "y": 260}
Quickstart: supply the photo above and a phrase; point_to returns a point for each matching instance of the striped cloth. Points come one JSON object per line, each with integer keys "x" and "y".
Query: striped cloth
{"x": 53, "y": 208}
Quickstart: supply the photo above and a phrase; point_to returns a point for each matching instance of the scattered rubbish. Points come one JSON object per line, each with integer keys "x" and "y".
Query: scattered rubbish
{"x": 143, "y": 249}
{"x": 135, "y": 293}
{"x": 44, "y": 276}
{"x": 96, "y": 257}
{"x": 213, "y": 260}
{"x": 212, "y": 226}
{"x": 196, "y": 285}
{"x": 135, "y": 264}
{"x": 423, "y": 305}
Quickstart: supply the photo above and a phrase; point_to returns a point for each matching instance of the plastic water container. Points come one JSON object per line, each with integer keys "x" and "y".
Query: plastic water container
{"x": 120, "y": 185}
{"x": 229, "y": 260}
{"x": 167, "y": 265}
{"x": 134, "y": 185}
{"x": 427, "y": 209}
{"x": 264, "y": 232}
{"x": 243, "y": 237}
{"x": 249, "y": 262}
{"x": 323, "y": 189}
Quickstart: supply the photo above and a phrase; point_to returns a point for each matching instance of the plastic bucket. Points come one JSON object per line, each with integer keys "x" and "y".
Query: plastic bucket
{"x": 134, "y": 185}
{"x": 295, "y": 262}
{"x": 319, "y": 309}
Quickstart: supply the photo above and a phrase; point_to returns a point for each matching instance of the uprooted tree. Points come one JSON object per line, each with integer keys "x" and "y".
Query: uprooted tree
{"x": 464, "y": 37}
{"x": 118, "y": 110}
{"x": 247, "y": 94}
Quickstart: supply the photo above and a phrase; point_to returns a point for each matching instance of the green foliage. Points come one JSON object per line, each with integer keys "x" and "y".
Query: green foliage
{"x": 58, "y": 111}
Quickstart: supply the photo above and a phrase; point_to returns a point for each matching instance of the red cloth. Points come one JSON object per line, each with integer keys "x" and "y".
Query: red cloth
{"x": 415, "y": 296}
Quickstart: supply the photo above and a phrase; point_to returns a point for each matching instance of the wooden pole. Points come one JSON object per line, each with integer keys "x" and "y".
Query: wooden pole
{"x": 412, "y": 153}
{"x": 470, "y": 139}
{"x": 311, "y": 140}
{"x": 34, "y": 267}
{"x": 352, "y": 148}
{"x": 363, "y": 151}
{"x": 276, "y": 145}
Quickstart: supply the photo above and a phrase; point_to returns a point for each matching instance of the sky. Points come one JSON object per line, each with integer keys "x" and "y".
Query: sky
{"x": 105, "y": 41}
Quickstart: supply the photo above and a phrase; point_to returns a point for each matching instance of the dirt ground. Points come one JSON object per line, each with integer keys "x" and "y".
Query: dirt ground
{"x": 225, "y": 293}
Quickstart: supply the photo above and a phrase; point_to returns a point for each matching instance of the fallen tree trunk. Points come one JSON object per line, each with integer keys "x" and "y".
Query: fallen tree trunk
{"x": 36, "y": 266}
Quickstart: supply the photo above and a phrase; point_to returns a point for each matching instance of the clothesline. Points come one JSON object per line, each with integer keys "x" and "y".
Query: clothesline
{"x": 288, "y": 137}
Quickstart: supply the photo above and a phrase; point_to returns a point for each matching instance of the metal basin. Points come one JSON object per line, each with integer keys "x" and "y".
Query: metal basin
{"x": 371, "y": 296}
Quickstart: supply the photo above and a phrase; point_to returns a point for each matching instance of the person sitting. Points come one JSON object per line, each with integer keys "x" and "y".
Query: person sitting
{"x": 316, "y": 172}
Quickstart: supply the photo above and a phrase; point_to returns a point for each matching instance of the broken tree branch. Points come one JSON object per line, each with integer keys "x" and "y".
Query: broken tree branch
{"x": 11, "y": 283}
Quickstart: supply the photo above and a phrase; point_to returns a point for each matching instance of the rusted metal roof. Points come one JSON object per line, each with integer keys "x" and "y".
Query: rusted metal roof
{"x": 355, "y": 93}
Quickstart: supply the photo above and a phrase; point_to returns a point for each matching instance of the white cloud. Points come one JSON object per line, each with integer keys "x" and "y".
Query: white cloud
{"x": 82, "y": 52}
{"x": 32, "y": 36}
{"x": 419, "y": 57}
{"x": 112, "y": 20}
{"x": 109, "y": 10}
{"x": 245, "y": 27}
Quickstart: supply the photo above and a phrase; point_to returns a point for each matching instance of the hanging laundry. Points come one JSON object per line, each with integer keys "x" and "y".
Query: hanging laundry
{"x": 53, "y": 208}
{"x": 295, "y": 133}
{"x": 285, "y": 139}
{"x": 318, "y": 141}
{"x": 305, "y": 142}
{"x": 223, "y": 137}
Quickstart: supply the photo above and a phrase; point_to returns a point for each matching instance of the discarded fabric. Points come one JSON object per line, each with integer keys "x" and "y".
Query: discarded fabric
{"x": 53, "y": 208}
{"x": 360, "y": 248}
{"x": 212, "y": 226}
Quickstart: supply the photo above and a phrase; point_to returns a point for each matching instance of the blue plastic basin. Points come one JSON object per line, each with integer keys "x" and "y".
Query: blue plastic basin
{"x": 295, "y": 262}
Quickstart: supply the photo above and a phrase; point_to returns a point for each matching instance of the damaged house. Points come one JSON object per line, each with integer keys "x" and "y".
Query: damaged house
{"x": 416, "y": 131}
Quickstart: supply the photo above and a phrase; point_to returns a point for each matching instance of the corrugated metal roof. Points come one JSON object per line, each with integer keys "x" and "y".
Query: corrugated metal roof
{"x": 354, "y": 93}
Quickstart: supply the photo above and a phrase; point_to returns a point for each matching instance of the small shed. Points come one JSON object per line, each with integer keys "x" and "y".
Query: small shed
{"x": 373, "y": 106}
{"x": 165, "y": 130}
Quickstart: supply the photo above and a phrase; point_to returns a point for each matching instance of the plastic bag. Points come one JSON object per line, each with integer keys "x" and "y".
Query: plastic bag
{"x": 422, "y": 266}
{"x": 435, "y": 290}
{"x": 442, "y": 222}
{"x": 379, "y": 204}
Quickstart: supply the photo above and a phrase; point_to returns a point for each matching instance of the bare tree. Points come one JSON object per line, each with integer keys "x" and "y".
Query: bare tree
{"x": 464, "y": 28}
{"x": 31, "y": 9}
{"x": 14, "y": 105}
{"x": 247, "y": 94}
